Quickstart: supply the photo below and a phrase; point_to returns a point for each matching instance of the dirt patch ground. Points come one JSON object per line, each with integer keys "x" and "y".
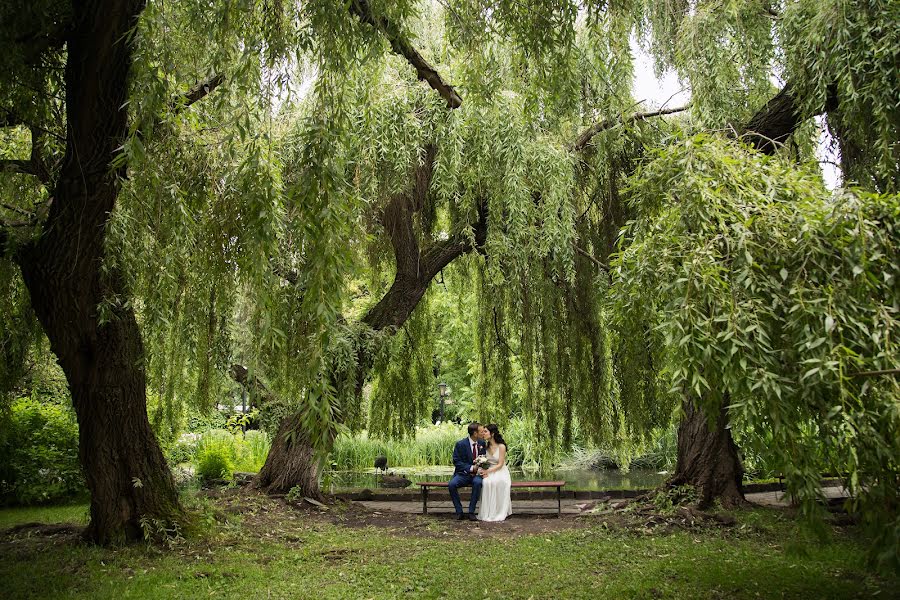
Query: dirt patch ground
{"x": 272, "y": 517}
{"x": 266, "y": 515}
{"x": 278, "y": 519}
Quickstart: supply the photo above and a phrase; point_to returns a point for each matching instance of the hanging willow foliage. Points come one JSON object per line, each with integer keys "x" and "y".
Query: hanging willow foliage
{"x": 255, "y": 201}
{"x": 722, "y": 49}
{"x": 760, "y": 286}
{"x": 850, "y": 51}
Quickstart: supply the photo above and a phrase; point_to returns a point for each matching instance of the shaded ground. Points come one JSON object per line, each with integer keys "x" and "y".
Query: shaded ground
{"x": 439, "y": 504}
{"x": 246, "y": 545}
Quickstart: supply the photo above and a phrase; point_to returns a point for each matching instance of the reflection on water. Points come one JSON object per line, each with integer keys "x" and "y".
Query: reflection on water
{"x": 576, "y": 479}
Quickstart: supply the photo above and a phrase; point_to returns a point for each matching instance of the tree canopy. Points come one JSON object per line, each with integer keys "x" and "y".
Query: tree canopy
{"x": 281, "y": 183}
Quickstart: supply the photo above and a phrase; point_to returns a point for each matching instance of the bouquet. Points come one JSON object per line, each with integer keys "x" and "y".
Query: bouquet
{"x": 481, "y": 462}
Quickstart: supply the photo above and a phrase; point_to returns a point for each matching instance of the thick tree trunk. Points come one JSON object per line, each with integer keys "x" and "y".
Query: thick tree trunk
{"x": 99, "y": 349}
{"x": 707, "y": 458}
{"x": 126, "y": 473}
{"x": 292, "y": 460}
{"x": 775, "y": 122}
{"x": 292, "y": 463}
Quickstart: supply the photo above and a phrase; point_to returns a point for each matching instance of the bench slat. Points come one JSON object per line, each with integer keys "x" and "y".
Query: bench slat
{"x": 424, "y": 485}
{"x": 514, "y": 483}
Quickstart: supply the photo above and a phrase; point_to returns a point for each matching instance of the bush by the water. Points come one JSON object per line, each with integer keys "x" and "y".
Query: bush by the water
{"x": 39, "y": 446}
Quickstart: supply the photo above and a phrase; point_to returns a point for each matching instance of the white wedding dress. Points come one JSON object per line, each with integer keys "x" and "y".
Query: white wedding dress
{"x": 495, "y": 502}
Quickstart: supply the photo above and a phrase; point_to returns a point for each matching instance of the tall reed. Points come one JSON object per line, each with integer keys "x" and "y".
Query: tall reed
{"x": 432, "y": 445}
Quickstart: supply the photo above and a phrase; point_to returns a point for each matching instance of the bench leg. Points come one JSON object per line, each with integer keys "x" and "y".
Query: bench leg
{"x": 424, "y": 500}
{"x": 558, "y": 502}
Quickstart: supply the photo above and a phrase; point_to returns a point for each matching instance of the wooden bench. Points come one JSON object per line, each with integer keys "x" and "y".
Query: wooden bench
{"x": 425, "y": 485}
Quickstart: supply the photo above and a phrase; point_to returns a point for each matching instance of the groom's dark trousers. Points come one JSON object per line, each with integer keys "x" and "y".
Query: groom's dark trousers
{"x": 463, "y": 476}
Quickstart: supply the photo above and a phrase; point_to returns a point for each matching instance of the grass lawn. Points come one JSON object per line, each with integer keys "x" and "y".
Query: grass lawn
{"x": 248, "y": 546}
{"x": 68, "y": 513}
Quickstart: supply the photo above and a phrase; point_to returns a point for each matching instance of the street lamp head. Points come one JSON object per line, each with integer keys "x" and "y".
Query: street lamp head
{"x": 443, "y": 388}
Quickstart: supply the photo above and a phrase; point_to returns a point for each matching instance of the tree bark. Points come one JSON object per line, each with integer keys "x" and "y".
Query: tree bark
{"x": 708, "y": 458}
{"x": 779, "y": 118}
{"x": 292, "y": 463}
{"x": 292, "y": 460}
{"x": 99, "y": 349}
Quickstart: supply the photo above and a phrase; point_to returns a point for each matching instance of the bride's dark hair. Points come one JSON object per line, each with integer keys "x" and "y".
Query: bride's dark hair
{"x": 495, "y": 435}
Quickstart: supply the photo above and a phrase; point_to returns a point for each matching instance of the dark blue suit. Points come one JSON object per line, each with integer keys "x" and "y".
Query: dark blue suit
{"x": 463, "y": 460}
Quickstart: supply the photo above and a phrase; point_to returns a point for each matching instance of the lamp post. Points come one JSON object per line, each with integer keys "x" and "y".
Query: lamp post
{"x": 442, "y": 387}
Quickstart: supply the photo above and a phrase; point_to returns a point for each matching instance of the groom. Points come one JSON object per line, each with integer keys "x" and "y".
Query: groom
{"x": 466, "y": 472}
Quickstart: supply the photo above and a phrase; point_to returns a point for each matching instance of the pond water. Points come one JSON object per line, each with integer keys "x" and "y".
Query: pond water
{"x": 576, "y": 479}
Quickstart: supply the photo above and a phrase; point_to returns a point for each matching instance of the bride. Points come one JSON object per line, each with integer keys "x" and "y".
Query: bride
{"x": 496, "y": 482}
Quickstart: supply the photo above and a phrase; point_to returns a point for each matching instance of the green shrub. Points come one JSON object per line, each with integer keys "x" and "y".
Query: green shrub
{"x": 214, "y": 463}
{"x": 39, "y": 446}
{"x": 182, "y": 450}
{"x": 199, "y": 422}
{"x": 254, "y": 451}
{"x": 238, "y": 451}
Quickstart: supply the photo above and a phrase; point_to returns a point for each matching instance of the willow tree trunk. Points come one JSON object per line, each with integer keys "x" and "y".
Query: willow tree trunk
{"x": 292, "y": 463}
{"x": 708, "y": 458}
{"x": 99, "y": 350}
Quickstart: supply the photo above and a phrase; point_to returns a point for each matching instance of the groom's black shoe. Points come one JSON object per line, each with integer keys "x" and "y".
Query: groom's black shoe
{"x": 472, "y": 517}
{"x": 459, "y": 516}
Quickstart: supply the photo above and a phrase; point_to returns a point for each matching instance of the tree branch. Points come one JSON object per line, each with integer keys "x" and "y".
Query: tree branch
{"x": 34, "y": 165}
{"x": 9, "y": 119}
{"x": 16, "y": 209}
{"x": 440, "y": 254}
{"x": 588, "y": 256}
{"x": 38, "y": 41}
{"x": 201, "y": 90}
{"x": 774, "y": 123}
{"x": 408, "y": 288}
{"x": 876, "y": 373}
{"x": 588, "y": 134}
{"x": 12, "y": 165}
{"x": 397, "y": 217}
{"x": 401, "y": 46}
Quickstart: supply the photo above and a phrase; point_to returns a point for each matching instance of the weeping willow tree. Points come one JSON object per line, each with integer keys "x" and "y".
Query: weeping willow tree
{"x": 72, "y": 64}
{"x": 778, "y": 299}
{"x": 439, "y": 179}
{"x": 193, "y": 192}
{"x": 533, "y": 162}
{"x": 126, "y": 198}
{"x": 728, "y": 245}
